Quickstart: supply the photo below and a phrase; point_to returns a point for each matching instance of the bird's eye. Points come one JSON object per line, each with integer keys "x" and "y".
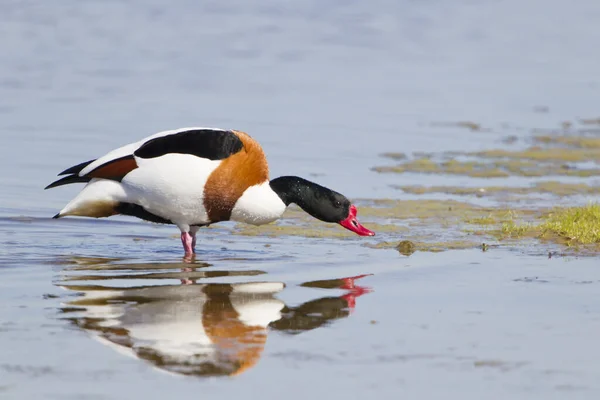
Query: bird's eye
{"x": 338, "y": 203}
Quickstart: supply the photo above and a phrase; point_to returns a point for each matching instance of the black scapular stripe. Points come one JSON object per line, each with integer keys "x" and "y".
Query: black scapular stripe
{"x": 75, "y": 169}
{"x": 134, "y": 210}
{"x": 138, "y": 211}
{"x": 203, "y": 143}
{"x": 67, "y": 180}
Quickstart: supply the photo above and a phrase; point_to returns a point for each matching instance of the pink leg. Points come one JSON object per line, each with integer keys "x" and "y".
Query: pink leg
{"x": 187, "y": 240}
{"x": 193, "y": 231}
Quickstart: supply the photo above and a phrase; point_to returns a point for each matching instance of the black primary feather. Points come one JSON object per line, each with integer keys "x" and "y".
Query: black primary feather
{"x": 67, "y": 180}
{"x": 75, "y": 169}
{"x": 140, "y": 212}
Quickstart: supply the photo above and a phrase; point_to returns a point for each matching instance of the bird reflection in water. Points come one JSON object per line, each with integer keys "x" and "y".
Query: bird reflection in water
{"x": 204, "y": 329}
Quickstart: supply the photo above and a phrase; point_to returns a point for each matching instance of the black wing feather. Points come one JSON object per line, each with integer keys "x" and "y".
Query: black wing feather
{"x": 138, "y": 211}
{"x": 67, "y": 180}
{"x": 203, "y": 143}
{"x": 75, "y": 169}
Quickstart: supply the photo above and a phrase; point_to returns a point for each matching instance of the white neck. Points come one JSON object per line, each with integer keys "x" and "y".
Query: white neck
{"x": 258, "y": 205}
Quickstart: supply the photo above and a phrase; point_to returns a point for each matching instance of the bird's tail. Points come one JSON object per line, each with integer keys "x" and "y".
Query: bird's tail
{"x": 99, "y": 198}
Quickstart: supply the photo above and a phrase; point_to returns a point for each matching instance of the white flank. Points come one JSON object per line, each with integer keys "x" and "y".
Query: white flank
{"x": 258, "y": 205}
{"x": 171, "y": 186}
{"x": 128, "y": 149}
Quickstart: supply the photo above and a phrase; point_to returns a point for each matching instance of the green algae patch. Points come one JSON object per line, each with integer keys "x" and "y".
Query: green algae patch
{"x": 511, "y": 229}
{"x": 456, "y": 190}
{"x": 423, "y": 165}
{"x": 430, "y": 212}
{"x": 395, "y": 156}
{"x": 486, "y": 220}
{"x": 317, "y": 229}
{"x": 581, "y": 142}
{"x": 473, "y": 126}
{"x": 550, "y": 187}
{"x": 563, "y": 189}
{"x": 473, "y": 168}
{"x": 408, "y": 247}
{"x": 309, "y": 231}
{"x": 412, "y": 209}
{"x": 543, "y": 154}
{"x": 552, "y": 154}
{"x": 576, "y": 225}
{"x": 500, "y": 168}
{"x": 427, "y": 166}
{"x": 436, "y": 247}
{"x": 568, "y": 151}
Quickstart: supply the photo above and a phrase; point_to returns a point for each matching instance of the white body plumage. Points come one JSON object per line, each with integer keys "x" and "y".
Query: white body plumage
{"x": 171, "y": 186}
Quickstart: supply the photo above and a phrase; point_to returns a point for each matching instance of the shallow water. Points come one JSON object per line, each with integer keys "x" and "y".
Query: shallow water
{"x": 108, "y": 309}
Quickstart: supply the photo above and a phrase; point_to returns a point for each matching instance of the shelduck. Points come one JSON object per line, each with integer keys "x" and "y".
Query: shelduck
{"x": 194, "y": 177}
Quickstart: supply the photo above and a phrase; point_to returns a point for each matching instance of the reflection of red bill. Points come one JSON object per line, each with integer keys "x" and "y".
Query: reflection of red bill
{"x": 354, "y": 290}
{"x": 349, "y": 282}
